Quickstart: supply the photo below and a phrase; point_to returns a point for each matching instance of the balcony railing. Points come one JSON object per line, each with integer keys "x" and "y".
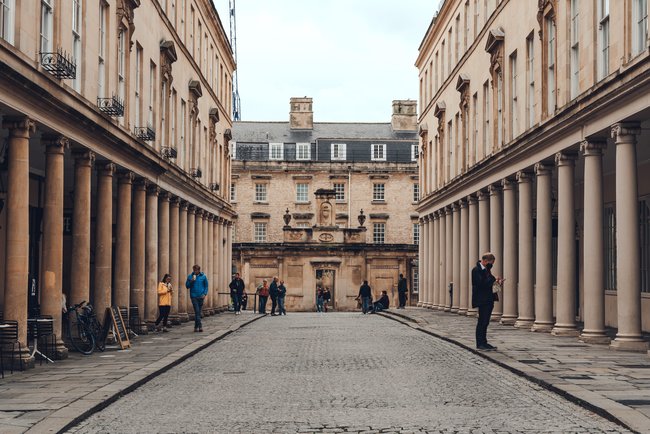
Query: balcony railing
{"x": 112, "y": 106}
{"x": 168, "y": 152}
{"x": 59, "y": 64}
{"x": 146, "y": 134}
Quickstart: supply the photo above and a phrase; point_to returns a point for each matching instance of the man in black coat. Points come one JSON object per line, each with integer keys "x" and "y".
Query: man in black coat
{"x": 402, "y": 289}
{"x": 273, "y": 293}
{"x": 483, "y": 297}
{"x": 237, "y": 292}
{"x": 365, "y": 294}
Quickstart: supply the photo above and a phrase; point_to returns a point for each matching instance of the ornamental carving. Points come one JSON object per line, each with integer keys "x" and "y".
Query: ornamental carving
{"x": 125, "y": 12}
{"x": 295, "y": 236}
{"x": 439, "y": 112}
{"x": 494, "y": 46}
{"x": 545, "y": 8}
{"x": 326, "y": 237}
{"x": 167, "y": 57}
{"x": 195, "y": 93}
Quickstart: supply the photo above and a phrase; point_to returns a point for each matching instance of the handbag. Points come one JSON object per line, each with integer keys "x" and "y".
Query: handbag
{"x": 496, "y": 289}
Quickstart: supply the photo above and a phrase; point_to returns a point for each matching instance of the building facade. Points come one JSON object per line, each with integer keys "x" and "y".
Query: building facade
{"x": 535, "y": 146}
{"x": 371, "y": 169}
{"x": 115, "y": 130}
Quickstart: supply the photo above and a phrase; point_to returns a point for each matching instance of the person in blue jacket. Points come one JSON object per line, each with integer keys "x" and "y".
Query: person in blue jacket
{"x": 197, "y": 283}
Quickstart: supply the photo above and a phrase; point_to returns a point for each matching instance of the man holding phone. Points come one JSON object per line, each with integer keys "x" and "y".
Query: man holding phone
{"x": 197, "y": 283}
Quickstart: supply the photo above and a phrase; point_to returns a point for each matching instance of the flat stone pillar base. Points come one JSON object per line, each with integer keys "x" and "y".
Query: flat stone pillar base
{"x": 419, "y": 304}
{"x": 472, "y": 312}
{"x": 454, "y": 310}
{"x": 595, "y": 338}
{"x": 524, "y": 323}
{"x": 629, "y": 344}
{"x": 446, "y": 309}
{"x": 175, "y": 320}
{"x": 565, "y": 331}
{"x": 495, "y": 317}
{"x": 183, "y": 317}
{"x": 508, "y": 320}
{"x": 541, "y": 327}
{"x": 60, "y": 350}
{"x": 462, "y": 311}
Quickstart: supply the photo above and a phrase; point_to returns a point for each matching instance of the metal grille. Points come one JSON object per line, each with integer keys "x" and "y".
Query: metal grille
{"x": 59, "y": 64}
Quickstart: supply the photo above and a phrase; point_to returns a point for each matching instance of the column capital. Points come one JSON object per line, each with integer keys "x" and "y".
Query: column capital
{"x": 421, "y": 221}
{"x": 191, "y": 209}
{"x": 55, "y": 143}
{"x": 212, "y": 217}
{"x": 125, "y": 177}
{"x": 494, "y": 189}
{"x": 153, "y": 190}
{"x": 566, "y": 158}
{"x": 165, "y": 196}
{"x": 19, "y": 126}
{"x": 106, "y": 168}
{"x": 462, "y": 203}
{"x": 472, "y": 199}
{"x": 524, "y": 176}
{"x": 426, "y": 219}
{"x": 200, "y": 212}
{"x": 625, "y": 132}
{"x": 83, "y": 157}
{"x": 454, "y": 207}
{"x": 593, "y": 147}
{"x": 543, "y": 169}
{"x": 230, "y": 223}
{"x": 447, "y": 210}
{"x": 184, "y": 205}
{"x": 508, "y": 184}
{"x": 174, "y": 200}
{"x": 140, "y": 183}
{"x": 482, "y": 195}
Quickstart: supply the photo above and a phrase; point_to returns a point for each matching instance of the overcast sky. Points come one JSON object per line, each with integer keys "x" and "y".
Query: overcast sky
{"x": 353, "y": 57}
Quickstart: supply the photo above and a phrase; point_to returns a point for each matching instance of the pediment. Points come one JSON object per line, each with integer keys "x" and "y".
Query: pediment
{"x": 168, "y": 50}
{"x": 195, "y": 88}
{"x": 495, "y": 37}
{"x": 439, "y": 109}
{"x": 463, "y": 80}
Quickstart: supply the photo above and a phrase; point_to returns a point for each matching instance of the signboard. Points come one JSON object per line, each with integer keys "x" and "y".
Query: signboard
{"x": 119, "y": 327}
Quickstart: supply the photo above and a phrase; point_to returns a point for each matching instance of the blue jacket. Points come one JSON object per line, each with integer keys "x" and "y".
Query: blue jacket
{"x": 198, "y": 287}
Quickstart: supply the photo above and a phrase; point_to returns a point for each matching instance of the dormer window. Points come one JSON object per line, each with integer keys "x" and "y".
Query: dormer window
{"x": 338, "y": 151}
{"x": 378, "y": 152}
{"x": 276, "y": 151}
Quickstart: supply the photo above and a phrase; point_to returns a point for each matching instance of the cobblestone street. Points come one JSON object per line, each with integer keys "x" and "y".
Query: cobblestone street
{"x": 339, "y": 372}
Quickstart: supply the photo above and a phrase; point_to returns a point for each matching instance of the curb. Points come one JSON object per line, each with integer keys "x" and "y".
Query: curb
{"x": 413, "y": 323}
{"x": 87, "y": 406}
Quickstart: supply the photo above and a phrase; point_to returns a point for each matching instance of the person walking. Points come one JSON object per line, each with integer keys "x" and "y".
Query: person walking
{"x": 164, "y": 302}
{"x": 402, "y": 291}
{"x": 237, "y": 292}
{"x": 273, "y": 292}
{"x": 483, "y": 297}
{"x": 263, "y": 293}
{"x": 319, "y": 299}
{"x": 197, "y": 283}
{"x": 365, "y": 294}
{"x": 282, "y": 292}
{"x": 327, "y": 296}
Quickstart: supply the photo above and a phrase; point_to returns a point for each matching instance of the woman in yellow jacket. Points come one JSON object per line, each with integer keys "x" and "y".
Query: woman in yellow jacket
{"x": 164, "y": 301}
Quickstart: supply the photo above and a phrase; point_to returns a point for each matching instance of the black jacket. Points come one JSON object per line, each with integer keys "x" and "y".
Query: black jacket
{"x": 273, "y": 290}
{"x": 237, "y": 286}
{"x": 365, "y": 291}
{"x": 282, "y": 291}
{"x": 401, "y": 285}
{"x": 384, "y": 301}
{"x": 482, "y": 281}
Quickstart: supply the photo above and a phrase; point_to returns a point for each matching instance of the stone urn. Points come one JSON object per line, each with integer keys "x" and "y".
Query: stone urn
{"x": 286, "y": 217}
{"x": 362, "y": 218}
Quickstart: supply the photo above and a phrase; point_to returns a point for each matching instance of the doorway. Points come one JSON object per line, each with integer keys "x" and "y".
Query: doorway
{"x": 326, "y": 279}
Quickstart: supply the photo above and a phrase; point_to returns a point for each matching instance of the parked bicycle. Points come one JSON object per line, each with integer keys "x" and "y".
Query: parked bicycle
{"x": 84, "y": 331}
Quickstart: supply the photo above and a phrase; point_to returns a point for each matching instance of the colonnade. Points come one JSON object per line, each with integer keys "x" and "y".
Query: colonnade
{"x": 501, "y": 218}
{"x": 156, "y": 232}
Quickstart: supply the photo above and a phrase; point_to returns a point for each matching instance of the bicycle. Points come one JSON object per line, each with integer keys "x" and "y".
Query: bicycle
{"x": 84, "y": 331}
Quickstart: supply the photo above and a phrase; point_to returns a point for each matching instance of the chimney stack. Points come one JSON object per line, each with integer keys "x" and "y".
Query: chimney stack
{"x": 301, "y": 116}
{"x": 405, "y": 116}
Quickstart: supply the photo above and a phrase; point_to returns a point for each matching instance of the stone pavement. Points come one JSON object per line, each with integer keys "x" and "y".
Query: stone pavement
{"x": 340, "y": 372}
{"x": 48, "y": 398}
{"x": 613, "y": 383}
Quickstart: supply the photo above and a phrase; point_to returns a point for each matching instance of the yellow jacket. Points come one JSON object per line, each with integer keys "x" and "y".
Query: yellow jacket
{"x": 164, "y": 294}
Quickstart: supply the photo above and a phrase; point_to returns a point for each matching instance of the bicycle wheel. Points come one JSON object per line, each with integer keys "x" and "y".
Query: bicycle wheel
{"x": 80, "y": 337}
{"x": 98, "y": 333}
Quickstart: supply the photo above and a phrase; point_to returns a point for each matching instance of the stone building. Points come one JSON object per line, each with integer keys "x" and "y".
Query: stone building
{"x": 534, "y": 131}
{"x": 292, "y": 170}
{"x": 115, "y": 129}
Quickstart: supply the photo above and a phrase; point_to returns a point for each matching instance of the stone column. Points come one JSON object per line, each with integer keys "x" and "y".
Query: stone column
{"x": 163, "y": 235}
{"x": 525, "y": 285}
{"x": 138, "y": 230}
{"x": 103, "y": 240}
{"x": 442, "y": 256}
{"x": 509, "y": 316}
{"x": 218, "y": 298}
{"x": 565, "y": 321}
{"x": 463, "y": 259}
{"x": 191, "y": 251}
{"x": 228, "y": 262}
{"x": 424, "y": 287}
{"x": 151, "y": 256}
{"x": 183, "y": 262}
{"x": 449, "y": 253}
{"x": 17, "y": 228}
{"x": 593, "y": 257}
{"x": 434, "y": 260}
{"x": 628, "y": 265}
{"x": 198, "y": 240}
{"x": 543, "y": 264}
{"x": 496, "y": 242}
{"x": 212, "y": 264}
{"x": 52, "y": 266}
{"x": 204, "y": 254}
{"x": 483, "y": 223}
{"x": 221, "y": 269}
{"x": 122, "y": 272}
{"x": 455, "y": 298}
{"x": 80, "y": 257}
{"x": 174, "y": 268}
{"x": 473, "y": 250}
{"x": 422, "y": 242}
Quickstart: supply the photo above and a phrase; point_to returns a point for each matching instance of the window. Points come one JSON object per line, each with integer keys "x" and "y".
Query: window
{"x": 530, "y": 74}
{"x": 442, "y": 62}
{"x": 173, "y": 120}
{"x": 338, "y": 151}
{"x": 475, "y": 127}
{"x": 302, "y": 224}
{"x": 575, "y": 49}
{"x": 466, "y": 18}
{"x": 199, "y": 45}
{"x": 276, "y": 151}
{"x": 457, "y": 36}
{"x": 514, "y": 107}
{"x": 260, "y": 193}
{"x": 414, "y": 152}
{"x": 450, "y": 150}
{"x": 435, "y": 71}
{"x": 7, "y": 12}
{"x": 191, "y": 29}
{"x": 610, "y": 247}
{"x": 486, "y": 118}
{"x": 303, "y": 151}
{"x": 550, "y": 68}
{"x": 603, "y": 38}
{"x": 339, "y": 188}
{"x": 182, "y": 135}
{"x": 378, "y": 233}
{"x": 475, "y": 18}
{"x": 416, "y": 233}
{"x": 234, "y": 233}
{"x": 639, "y": 26}
{"x": 378, "y": 192}
{"x": 415, "y": 283}
{"x": 152, "y": 90}
{"x": 101, "y": 61}
{"x": 378, "y": 152}
{"x": 121, "y": 61}
{"x": 260, "y": 232}
{"x": 183, "y": 20}
{"x": 450, "y": 59}
{"x": 416, "y": 192}
{"x": 233, "y": 150}
{"x": 302, "y": 192}
{"x": 233, "y": 193}
{"x": 76, "y": 42}
{"x": 138, "y": 87}
{"x": 163, "y": 114}
{"x": 47, "y": 8}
